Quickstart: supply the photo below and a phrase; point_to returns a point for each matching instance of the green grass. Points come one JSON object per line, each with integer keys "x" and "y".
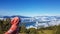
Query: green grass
{"x": 46, "y": 32}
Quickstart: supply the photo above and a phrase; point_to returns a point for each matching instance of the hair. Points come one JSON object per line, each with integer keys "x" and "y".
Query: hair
{"x": 19, "y": 20}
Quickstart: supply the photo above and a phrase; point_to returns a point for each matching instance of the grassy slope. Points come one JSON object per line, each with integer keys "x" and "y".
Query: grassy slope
{"x": 46, "y": 32}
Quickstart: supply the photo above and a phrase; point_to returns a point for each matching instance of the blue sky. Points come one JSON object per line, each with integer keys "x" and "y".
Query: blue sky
{"x": 29, "y": 7}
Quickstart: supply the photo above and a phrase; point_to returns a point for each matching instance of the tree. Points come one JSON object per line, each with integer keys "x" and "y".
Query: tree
{"x": 23, "y": 28}
{"x": 33, "y": 31}
{"x": 58, "y": 30}
{"x": 6, "y": 24}
{"x": 1, "y": 27}
{"x": 8, "y": 20}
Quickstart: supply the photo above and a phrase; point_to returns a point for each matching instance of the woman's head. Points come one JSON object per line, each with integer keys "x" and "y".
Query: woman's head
{"x": 15, "y": 20}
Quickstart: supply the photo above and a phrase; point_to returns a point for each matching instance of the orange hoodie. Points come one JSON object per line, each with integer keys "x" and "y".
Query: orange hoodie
{"x": 14, "y": 27}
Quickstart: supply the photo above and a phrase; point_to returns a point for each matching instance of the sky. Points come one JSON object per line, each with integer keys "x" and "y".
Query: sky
{"x": 30, "y": 7}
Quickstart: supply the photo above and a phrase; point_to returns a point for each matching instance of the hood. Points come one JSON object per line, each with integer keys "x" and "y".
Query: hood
{"x": 15, "y": 20}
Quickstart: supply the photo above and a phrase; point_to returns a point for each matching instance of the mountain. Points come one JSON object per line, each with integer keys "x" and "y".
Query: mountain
{"x": 14, "y": 16}
{"x": 19, "y": 16}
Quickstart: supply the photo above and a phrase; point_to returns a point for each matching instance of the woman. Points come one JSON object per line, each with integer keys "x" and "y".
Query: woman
{"x": 14, "y": 27}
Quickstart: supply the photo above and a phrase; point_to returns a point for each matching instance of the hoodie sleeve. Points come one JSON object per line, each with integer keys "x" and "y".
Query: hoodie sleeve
{"x": 12, "y": 29}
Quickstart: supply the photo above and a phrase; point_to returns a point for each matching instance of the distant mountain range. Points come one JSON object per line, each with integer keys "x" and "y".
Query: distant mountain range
{"x": 14, "y": 16}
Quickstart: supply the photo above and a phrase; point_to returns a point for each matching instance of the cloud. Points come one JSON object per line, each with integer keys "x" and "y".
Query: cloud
{"x": 31, "y": 26}
{"x": 39, "y": 25}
